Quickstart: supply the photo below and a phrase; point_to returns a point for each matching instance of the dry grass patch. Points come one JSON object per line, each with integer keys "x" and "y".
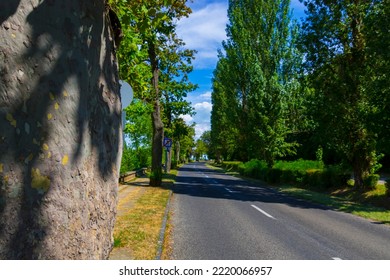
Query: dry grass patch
{"x": 139, "y": 228}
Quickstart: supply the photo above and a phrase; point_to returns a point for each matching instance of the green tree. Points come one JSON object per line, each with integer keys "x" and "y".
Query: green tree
{"x": 60, "y": 129}
{"x": 181, "y": 132}
{"x": 149, "y": 33}
{"x": 174, "y": 84}
{"x": 206, "y": 138}
{"x": 187, "y": 143}
{"x": 138, "y": 128}
{"x": 260, "y": 61}
{"x": 200, "y": 149}
{"x": 224, "y": 132}
{"x": 202, "y": 145}
{"x": 335, "y": 42}
{"x": 378, "y": 72}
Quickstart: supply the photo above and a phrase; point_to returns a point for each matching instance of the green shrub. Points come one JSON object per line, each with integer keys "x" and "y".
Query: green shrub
{"x": 231, "y": 165}
{"x": 299, "y": 176}
{"x": 387, "y": 185}
{"x": 288, "y": 177}
{"x": 313, "y": 179}
{"x": 253, "y": 168}
{"x": 371, "y": 181}
{"x": 306, "y": 173}
{"x": 133, "y": 159}
{"x": 274, "y": 175}
{"x": 334, "y": 176}
{"x": 299, "y": 164}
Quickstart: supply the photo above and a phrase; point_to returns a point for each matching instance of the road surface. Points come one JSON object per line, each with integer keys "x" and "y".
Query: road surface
{"x": 217, "y": 216}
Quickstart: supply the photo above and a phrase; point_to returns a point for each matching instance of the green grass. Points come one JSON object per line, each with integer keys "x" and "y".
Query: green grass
{"x": 170, "y": 177}
{"x": 340, "y": 203}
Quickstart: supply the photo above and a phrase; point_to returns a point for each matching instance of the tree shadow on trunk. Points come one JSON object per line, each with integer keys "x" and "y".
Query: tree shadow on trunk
{"x": 60, "y": 141}
{"x": 8, "y": 8}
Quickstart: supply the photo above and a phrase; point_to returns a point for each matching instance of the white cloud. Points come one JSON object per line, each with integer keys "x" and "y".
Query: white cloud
{"x": 200, "y": 128}
{"x": 187, "y": 118}
{"x": 204, "y": 107}
{"x": 204, "y": 30}
{"x": 201, "y": 118}
{"x": 206, "y": 96}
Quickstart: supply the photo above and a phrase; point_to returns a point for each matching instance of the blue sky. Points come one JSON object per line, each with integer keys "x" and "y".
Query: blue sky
{"x": 204, "y": 31}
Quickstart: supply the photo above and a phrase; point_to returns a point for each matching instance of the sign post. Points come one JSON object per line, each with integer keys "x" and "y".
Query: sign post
{"x": 167, "y": 143}
{"x": 126, "y": 98}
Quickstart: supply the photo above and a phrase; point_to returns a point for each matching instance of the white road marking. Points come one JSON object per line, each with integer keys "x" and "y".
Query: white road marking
{"x": 336, "y": 259}
{"x": 229, "y": 190}
{"x": 263, "y": 212}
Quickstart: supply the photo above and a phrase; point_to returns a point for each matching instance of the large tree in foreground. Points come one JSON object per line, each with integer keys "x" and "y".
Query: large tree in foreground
{"x": 60, "y": 130}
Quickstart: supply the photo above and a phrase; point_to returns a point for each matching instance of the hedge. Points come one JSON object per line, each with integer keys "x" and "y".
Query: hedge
{"x": 304, "y": 173}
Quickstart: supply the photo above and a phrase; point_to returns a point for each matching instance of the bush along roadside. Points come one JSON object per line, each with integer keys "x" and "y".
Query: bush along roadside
{"x": 304, "y": 173}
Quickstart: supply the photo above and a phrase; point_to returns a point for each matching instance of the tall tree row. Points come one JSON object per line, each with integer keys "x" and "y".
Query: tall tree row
{"x": 256, "y": 78}
{"x": 324, "y": 83}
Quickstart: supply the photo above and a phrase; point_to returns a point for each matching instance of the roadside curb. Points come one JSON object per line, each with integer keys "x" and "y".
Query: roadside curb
{"x": 161, "y": 238}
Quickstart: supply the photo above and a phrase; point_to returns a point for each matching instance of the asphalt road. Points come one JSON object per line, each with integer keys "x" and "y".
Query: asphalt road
{"x": 216, "y": 217}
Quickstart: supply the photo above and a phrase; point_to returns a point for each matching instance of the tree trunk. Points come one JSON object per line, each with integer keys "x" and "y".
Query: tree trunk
{"x": 177, "y": 148}
{"x": 156, "y": 176}
{"x": 60, "y": 130}
{"x": 358, "y": 178}
{"x": 169, "y": 160}
{"x": 158, "y": 127}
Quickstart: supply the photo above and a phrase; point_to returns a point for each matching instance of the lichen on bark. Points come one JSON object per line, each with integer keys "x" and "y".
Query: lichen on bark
{"x": 60, "y": 130}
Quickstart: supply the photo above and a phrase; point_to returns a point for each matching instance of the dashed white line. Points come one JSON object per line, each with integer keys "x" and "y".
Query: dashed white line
{"x": 263, "y": 212}
{"x": 336, "y": 259}
{"x": 229, "y": 190}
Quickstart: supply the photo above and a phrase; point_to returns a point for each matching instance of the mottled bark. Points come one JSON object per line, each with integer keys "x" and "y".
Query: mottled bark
{"x": 177, "y": 152}
{"x": 60, "y": 130}
{"x": 169, "y": 160}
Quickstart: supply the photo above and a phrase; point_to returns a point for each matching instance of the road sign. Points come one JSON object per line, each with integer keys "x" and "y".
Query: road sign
{"x": 167, "y": 143}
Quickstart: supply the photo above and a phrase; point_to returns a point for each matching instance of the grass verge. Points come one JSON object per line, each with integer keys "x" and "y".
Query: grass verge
{"x": 343, "y": 204}
{"x": 138, "y": 229}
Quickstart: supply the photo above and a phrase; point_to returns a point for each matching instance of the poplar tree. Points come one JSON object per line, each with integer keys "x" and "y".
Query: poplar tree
{"x": 260, "y": 56}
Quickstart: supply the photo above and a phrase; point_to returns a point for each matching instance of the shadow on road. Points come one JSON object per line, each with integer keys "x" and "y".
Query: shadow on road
{"x": 195, "y": 179}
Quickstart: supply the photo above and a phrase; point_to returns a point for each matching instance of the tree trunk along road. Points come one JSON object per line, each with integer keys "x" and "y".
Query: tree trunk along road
{"x": 216, "y": 216}
{"x": 60, "y": 129}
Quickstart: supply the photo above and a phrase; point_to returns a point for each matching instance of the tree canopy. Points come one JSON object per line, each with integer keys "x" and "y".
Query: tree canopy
{"x": 154, "y": 61}
{"x": 282, "y": 89}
